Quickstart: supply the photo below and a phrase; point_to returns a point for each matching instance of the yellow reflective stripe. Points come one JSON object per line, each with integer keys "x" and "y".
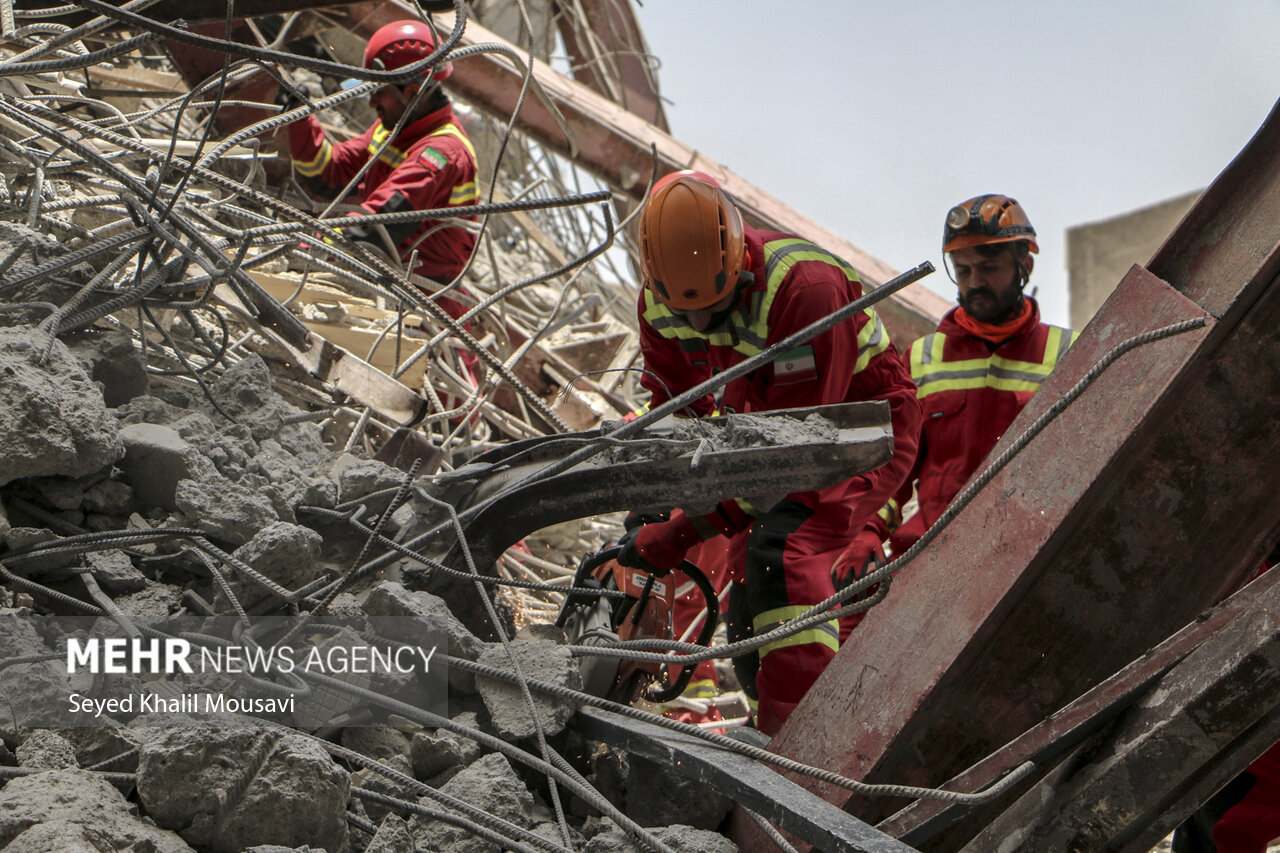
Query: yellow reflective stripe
{"x": 703, "y": 688}
{"x": 749, "y": 330}
{"x": 312, "y": 168}
{"x": 890, "y": 514}
{"x": 665, "y": 322}
{"x": 824, "y": 633}
{"x": 456, "y": 132}
{"x": 464, "y": 193}
{"x": 933, "y": 374}
{"x": 390, "y": 155}
{"x": 872, "y": 340}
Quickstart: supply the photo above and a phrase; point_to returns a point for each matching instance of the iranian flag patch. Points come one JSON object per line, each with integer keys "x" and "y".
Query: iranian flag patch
{"x": 796, "y": 365}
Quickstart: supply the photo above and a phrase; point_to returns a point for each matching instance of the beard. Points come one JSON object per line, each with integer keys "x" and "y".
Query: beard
{"x": 993, "y": 310}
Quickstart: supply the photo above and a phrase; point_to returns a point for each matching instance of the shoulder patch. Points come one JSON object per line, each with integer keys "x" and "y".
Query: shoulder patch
{"x": 796, "y": 365}
{"x": 433, "y": 158}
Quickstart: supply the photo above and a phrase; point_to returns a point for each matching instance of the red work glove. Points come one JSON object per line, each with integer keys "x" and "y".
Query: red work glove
{"x": 659, "y": 547}
{"x": 861, "y": 557}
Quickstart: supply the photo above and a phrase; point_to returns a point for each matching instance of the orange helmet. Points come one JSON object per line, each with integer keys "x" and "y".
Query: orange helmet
{"x": 403, "y": 43}
{"x": 692, "y": 244}
{"x": 984, "y": 220}
{"x": 683, "y": 173}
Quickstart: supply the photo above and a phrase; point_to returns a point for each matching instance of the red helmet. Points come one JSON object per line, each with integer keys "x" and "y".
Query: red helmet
{"x": 403, "y": 43}
{"x": 987, "y": 219}
{"x": 692, "y": 243}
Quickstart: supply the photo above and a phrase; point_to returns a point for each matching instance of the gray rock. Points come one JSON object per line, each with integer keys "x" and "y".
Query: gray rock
{"x": 111, "y": 360}
{"x": 244, "y": 392}
{"x": 283, "y": 552}
{"x": 365, "y": 477}
{"x": 53, "y": 421}
{"x": 372, "y": 780}
{"x": 102, "y": 742}
{"x": 681, "y": 839}
{"x": 539, "y": 661}
{"x": 411, "y": 617}
{"x": 114, "y": 571}
{"x": 110, "y": 497}
{"x": 441, "y": 752}
{"x": 60, "y": 807}
{"x": 18, "y": 635}
{"x": 225, "y": 510}
{"x": 157, "y": 459}
{"x": 152, "y": 605}
{"x": 224, "y": 788}
{"x": 148, "y": 409}
{"x": 393, "y": 837}
{"x": 380, "y": 742}
{"x": 489, "y": 784}
{"x": 46, "y": 750}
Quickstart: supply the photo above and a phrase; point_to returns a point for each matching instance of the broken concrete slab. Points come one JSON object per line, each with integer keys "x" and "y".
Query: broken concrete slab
{"x": 440, "y": 755}
{"x": 283, "y": 552}
{"x": 53, "y": 421}
{"x": 681, "y": 839}
{"x": 411, "y": 617}
{"x": 490, "y": 784}
{"x": 112, "y": 361}
{"x": 157, "y": 458}
{"x": 393, "y": 836}
{"x": 46, "y": 750}
{"x": 227, "y": 787}
{"x": 65, "y": 806}
{"x": 539, "y": 661}
{"x": 224, "y": 510}
{"x": 115, "y": 572}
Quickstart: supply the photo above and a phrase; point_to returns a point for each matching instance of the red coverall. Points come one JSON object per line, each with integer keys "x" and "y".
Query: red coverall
{"x": 429, "y": 165}
{"x": 785, "y": 559}
{"x": 971, "y": 390}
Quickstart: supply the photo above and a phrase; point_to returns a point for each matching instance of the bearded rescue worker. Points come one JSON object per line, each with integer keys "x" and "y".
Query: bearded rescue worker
{"x": 975, "y": 373}
{"x": 717, "y": 292}
{"x": 430, "y": 163}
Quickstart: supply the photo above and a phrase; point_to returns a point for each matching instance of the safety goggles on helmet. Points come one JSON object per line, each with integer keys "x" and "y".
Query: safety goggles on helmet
{"x": 987, "y": 219}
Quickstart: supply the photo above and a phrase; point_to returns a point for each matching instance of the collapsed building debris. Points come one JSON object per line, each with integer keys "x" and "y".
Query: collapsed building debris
{"x": 229, "y": 428}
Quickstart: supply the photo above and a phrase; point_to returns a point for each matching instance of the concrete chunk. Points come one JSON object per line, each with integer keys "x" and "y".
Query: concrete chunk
{"x": 539, "y": 661}
{"x": 53, "y": 421}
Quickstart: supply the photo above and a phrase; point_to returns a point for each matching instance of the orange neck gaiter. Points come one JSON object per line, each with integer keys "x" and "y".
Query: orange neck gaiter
{"x": 997, "y": 334}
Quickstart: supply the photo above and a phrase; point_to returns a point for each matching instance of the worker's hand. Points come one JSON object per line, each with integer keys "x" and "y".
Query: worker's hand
{"x": 658, "y": 547}
{"x": 861, "y": 557}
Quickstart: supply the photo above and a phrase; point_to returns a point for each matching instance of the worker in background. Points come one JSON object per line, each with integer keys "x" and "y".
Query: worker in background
{"x": 430, "y": 163}
{"x": 973, "y": 375}
{"x": 717, "y": 292}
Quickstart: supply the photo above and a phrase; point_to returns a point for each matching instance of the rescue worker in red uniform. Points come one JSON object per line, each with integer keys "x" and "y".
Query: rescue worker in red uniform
{"x": 717, "y": 292}
{"x": 430, "y": 164}
{"x": 973, "y": 375}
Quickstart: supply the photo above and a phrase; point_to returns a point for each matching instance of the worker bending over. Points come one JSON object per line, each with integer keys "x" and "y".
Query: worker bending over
{"x": 717, "y": 292}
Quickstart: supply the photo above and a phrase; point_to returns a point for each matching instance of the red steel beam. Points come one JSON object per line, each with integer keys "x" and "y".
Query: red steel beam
{"x": 1143, "y": 503}
{"x": 611, "y": 58}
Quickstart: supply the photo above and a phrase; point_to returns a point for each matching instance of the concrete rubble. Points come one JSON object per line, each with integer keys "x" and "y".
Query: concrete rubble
{"x": 212, "y": 488}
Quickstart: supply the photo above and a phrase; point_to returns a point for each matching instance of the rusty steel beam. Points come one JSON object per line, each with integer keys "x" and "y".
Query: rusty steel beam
{"x": 1145, "y": 501}
{"x": 612, "y": 48}
{"x": 1197, "y": 728}
{"x": 1064, "y": 731}
{"x": 618, "y": 147}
